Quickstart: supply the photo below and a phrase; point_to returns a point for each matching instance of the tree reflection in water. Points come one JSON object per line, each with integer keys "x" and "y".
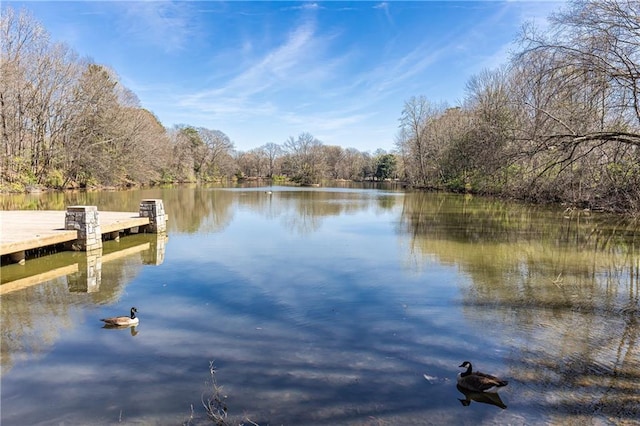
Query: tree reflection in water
{"x": 565, "y": 284}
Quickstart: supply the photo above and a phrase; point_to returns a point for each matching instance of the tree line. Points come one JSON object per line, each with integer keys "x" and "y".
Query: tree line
{"x": 68, "y": 122}
{"x": 560, "y": 122}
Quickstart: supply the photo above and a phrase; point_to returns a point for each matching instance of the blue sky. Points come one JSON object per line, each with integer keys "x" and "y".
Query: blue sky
{"x": 263, "y": 71}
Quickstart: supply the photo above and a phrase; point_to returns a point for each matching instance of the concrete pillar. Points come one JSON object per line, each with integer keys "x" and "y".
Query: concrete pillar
{"x": 154, "y": 210}
{"x": 84, "y": 219}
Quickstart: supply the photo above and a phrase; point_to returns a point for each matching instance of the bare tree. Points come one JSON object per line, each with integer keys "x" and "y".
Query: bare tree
{"x": 253, "y": 163}
{"x": 146, "y": 149}
{"x": 578, "y": 87}
{"x": 110, "y": 140}
{"x": 217, "y": 150}
{"x": 306, "y": 159}
{"x": 333, "y": 155}
{"x": 21, "y": 38}
{"x": 352, "y": 164}
{"x": 593, "y": 52}
{"x": 417, "y": 140}
{"x": 94, "y": 130}
{"x": 273, "y": 152}
{"x": 34, "y": 95}
{"x": 480, "y": 134}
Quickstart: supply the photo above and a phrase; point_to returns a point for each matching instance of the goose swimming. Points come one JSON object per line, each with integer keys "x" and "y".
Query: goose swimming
{"x": 477, "y": 381}
{"x": 123, "y": 320}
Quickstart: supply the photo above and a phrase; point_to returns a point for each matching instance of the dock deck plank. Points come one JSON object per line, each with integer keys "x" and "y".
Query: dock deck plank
{"x": 30, "y": 229}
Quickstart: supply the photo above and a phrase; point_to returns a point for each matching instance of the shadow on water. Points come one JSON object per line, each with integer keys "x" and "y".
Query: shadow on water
{"x": 490, "y": 398}
{"x": 39, "y": 305}
{"x": 564, "y": 288}
{"x": 332, "y": 307}
{"x": 133, "y": 329}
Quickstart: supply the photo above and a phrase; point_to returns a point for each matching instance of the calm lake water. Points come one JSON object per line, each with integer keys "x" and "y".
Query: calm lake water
{"x": 327, "y": 306}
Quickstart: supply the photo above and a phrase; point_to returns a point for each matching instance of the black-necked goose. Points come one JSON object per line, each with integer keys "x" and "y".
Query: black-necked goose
{"x": 477, "y": 381}
{"x": 123, "y": 320}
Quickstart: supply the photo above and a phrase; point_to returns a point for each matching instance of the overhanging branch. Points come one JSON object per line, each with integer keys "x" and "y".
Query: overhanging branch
{"x": 622, "y": 137}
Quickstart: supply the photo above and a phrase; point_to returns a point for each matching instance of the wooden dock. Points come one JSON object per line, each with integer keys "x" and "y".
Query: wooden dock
{"x": 80, "y": 228}
{"x": 32, "y": 229}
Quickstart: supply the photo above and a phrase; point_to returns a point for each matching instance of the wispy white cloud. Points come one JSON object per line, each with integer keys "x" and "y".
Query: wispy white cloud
{"x": 300, "y": 62}
{"x": 538, "y": 12}
{"x": 385, "y": 7}
{"x": 168, "y": 25}
{"x": 307, "y": 6}
{"x": 306, "y": 68}
{"x": 308, "y": 81}
{"x": 397, "y": 70}
{"x": 523, "y": 12}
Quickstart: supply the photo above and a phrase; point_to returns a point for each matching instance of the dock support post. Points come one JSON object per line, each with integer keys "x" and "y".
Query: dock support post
{"x": 115, "y": 235}
{"x": 84, "y": 219}
{"x": 154, "y": 210}
{"x": 18, "y": 257}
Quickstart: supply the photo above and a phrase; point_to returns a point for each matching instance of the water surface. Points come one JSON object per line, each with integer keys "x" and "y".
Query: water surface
{"x": 328, "y": 306}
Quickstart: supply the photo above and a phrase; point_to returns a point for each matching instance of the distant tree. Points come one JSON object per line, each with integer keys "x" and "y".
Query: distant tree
{"x": 253, "y": 163}
{"x": 333, "y": 155}
{"x": 180, "y": 167}
{"x": 144, "y": 134}
{"x": 217, "y": 150}
{"x": 226, "y": 165}
{"x": 306, "y": 159}
{"x": 110, "y": 136}
{"x": 189, "y": 138}
{"x": 459, "y": 153}
{"x": 273, "y": 153}
{"x": 369, "y": 166}
{"x": 386, "y": 166}
{"x": 417, "y": 141}
{"x": 211, "y": 151}
{"x": 36, "y": 77}
{"x": 95, "y": 128}
{"x": 351, "y": 164}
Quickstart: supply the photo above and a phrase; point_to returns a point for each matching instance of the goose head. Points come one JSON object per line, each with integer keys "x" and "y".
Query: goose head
{"x": 468, "y": 366}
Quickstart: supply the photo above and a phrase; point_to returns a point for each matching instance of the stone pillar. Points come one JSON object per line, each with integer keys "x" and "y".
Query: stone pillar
{"x": 84, "y": 219}
{"x": 154, "y": 210}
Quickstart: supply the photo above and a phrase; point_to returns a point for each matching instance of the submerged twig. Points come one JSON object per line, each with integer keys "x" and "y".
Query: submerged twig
{"x": 214, "y": 403}
{"x": 558, "y": 280}
{"x": 188, "y": 422}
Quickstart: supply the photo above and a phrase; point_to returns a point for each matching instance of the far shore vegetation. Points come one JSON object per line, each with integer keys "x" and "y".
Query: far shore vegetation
{"x": 558, "y": 123}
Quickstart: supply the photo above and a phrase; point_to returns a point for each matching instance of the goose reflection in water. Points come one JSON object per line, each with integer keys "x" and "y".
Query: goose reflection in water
{"x": 482, "y": 397}
{"x": 132, "y": 328}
